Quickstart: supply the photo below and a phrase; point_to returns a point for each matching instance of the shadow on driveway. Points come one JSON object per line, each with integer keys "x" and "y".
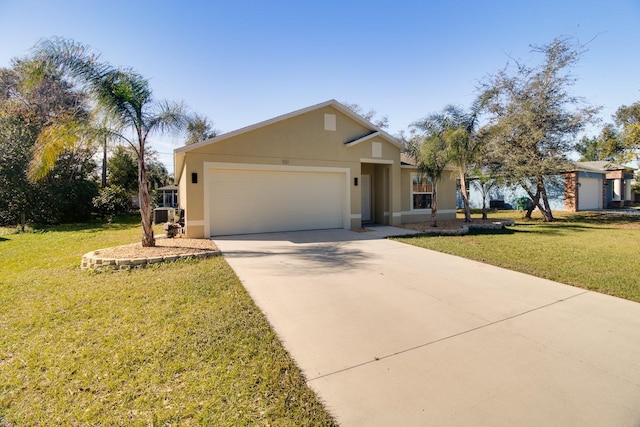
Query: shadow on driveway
{"x": 322, "y": 258}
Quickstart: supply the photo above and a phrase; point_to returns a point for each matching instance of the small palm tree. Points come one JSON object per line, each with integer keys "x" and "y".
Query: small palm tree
{"x": 464, "y": 144}
{"x": 430, "y": 146}
{"x": 125, "y": 98}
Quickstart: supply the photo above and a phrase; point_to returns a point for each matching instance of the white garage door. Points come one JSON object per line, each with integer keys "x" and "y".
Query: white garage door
{"x": 260, "y": 201}
{"x": 590, "y": 194}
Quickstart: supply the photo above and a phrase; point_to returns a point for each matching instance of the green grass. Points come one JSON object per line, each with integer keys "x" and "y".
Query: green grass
{"x": 173, "y": 344}
{"x": 592, "y": 251}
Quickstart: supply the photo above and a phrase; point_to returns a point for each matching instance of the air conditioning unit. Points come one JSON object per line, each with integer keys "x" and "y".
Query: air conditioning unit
{"x": 162, "y": 215}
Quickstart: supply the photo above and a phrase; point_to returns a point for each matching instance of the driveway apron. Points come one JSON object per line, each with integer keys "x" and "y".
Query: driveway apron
{"x": 391, "y": 334}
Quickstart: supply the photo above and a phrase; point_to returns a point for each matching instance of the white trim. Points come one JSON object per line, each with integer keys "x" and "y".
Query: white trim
{"x": 417, "y": 212}
{"x": 415, "y": 175}
{"x": 427, "y": 211}
{"x": 206, "y": 178}
{"x": 180, "y": 152}
{"x": 260, "y": 166}
{"x": 386, "y": 214}
{"x": 447, "y": 168}
{"x": 397, "y": 214}
{"x": 363, "y": 139}
{"x": 378, "y": 161}
{"x": 332, "y": 103}
{"x": 210, "y": 166}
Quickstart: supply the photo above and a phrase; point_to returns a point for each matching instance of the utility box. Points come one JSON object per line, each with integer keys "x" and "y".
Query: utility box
{"x": 162, "y": 215}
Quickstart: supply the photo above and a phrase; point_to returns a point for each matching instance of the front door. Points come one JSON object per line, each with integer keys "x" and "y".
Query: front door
{"x": 365, "y": 189}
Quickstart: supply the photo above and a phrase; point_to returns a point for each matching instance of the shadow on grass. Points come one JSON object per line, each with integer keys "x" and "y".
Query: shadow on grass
{"x": 120, "y": 222}
{"x": 472, "y": 232}
{"x": 577, "y": 224}
{"x": 3, "y": 239}
{"x": 599, "y": 218}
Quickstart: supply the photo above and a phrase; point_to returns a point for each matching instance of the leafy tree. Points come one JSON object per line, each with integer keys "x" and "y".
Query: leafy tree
{"x": 589, "y": 149}
{"x": 200, "y": 128}
{"x": 465, "y": 147}
{"x": 158, "y": 174}
{"x": 534, "y": 120}
{"x": 27, "y": 112}
{"x": 112, "y": 200}
{"x": 125, "y": 97}
{"x": 123, "y": 169}
{"x": 17, "y": 134}
{"x": 607, "y": 146}
{"x": 485, "y": 180}
{"x": 430, "y": 145}
{"x": 628, "y": 117}
{"x": 381, "y": 122}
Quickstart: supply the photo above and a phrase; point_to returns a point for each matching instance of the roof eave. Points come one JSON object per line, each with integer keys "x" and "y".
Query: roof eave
{"x": 333, "y": 103}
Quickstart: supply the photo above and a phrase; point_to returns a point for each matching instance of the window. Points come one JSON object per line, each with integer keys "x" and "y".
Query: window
{"x": 421, "y": 191}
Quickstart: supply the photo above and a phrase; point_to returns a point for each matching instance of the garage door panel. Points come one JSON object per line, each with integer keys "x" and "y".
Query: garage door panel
{"x": 590, "y": 194}
{"x": 256, "y": 201}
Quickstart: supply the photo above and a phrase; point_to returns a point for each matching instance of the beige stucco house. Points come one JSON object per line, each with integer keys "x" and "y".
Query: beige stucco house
{"x": 320, "y": 167}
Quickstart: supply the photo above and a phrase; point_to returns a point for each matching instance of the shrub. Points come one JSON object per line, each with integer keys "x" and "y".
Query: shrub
{"x": 112, "y": 200}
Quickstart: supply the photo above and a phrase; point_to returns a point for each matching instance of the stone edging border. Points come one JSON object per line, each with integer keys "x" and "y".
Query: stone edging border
{"x": 93, "y": 261}
{"x": 464, "y": 229}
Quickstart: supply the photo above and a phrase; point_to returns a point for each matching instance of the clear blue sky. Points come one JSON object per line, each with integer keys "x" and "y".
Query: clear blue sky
{"x": 241, "y": 62}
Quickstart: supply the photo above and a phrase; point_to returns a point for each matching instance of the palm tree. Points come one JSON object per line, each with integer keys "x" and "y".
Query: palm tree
{"x": 464, "y": 144}
{"x": 123, "y": 96}
{"x": 430, "y": 146}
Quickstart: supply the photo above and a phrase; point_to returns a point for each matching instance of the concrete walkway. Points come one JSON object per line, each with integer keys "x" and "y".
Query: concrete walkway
{"x": 390, "y": 334}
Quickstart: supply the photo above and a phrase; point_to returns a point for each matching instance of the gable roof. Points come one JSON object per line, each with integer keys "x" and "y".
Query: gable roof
{"x": 601, "y": 166}
{"x": 179, "y": 153}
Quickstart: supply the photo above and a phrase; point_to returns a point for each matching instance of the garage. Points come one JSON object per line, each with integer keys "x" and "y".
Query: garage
{"x": 259, "y": 200}
{"x": 589, "y": 193}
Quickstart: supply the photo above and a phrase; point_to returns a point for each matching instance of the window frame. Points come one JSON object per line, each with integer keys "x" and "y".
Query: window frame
{"x": 428, "y": 184}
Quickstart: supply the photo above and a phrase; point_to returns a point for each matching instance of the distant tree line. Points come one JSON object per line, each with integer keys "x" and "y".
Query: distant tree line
{"x": 521, "y": 130}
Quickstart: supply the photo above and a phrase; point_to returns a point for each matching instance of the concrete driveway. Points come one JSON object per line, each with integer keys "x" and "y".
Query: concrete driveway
{"x": 390, "y": 334}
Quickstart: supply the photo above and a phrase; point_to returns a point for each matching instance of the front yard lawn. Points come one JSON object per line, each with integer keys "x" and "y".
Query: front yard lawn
{"x": 172, "y": 344}
{"x": 592, "y": 250}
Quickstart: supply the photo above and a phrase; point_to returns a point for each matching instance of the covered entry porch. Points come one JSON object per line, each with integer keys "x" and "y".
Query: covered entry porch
{"x": 375, "y": 193}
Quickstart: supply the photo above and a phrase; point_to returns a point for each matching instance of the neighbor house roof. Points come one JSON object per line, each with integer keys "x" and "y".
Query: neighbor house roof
{"x": 179, "y": 153}
{"x": 407, "y": 159}
{"x": 169, "y": 187}
{"x": 601, "y": 166}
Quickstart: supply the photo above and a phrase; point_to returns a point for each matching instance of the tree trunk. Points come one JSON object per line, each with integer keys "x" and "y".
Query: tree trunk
{"x": 535, "y": 199}
{"x": 104, "y": 164}
{"x": 148, "y": 240}
{"x": 484, "y": 193}
{"x": 434, "y": 204}
{"x": 548, "y": 215}
{"x": 465, "y": 197}
{"x": 22, "y": 221}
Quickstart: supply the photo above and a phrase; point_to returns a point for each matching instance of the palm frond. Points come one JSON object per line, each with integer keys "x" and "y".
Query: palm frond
{"x": 169, "y": 117}
{"x": 54, "y": 139}
{"x": 76, "y": 60}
